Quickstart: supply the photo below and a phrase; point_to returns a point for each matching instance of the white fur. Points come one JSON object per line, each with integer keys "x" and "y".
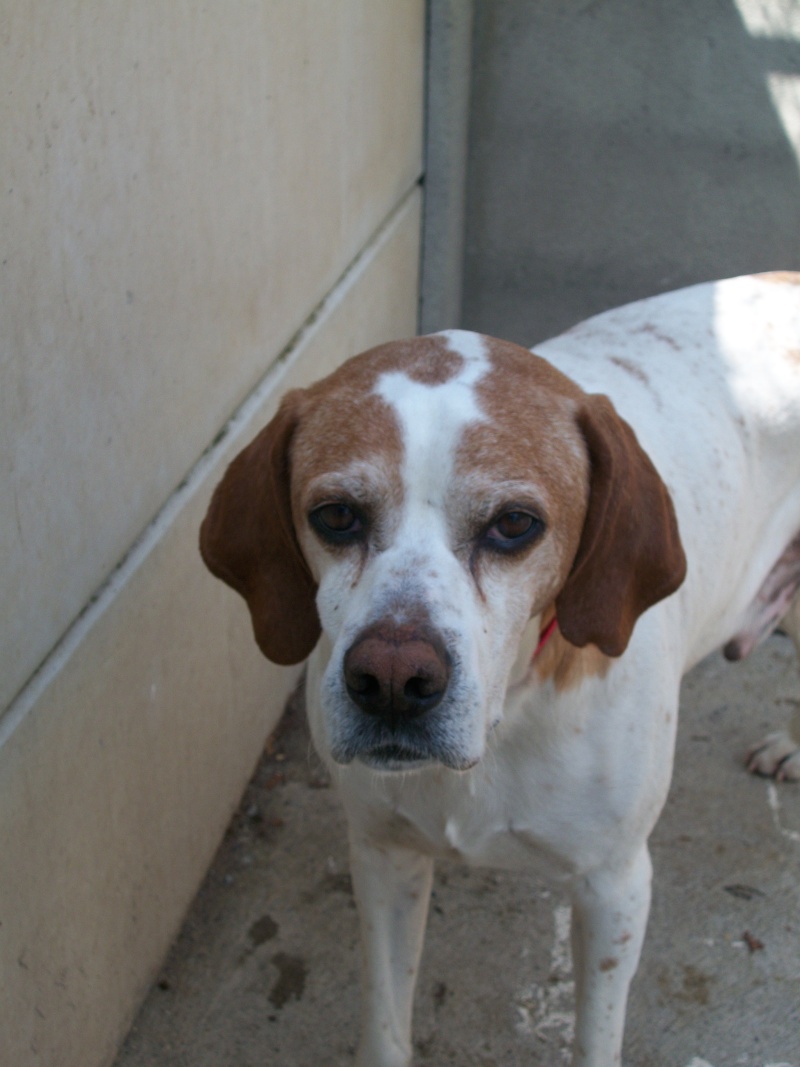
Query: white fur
{"x": 568, "y": 782}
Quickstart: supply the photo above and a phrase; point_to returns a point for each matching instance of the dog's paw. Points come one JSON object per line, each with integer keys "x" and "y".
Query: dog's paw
{"x": 776, "y": 756}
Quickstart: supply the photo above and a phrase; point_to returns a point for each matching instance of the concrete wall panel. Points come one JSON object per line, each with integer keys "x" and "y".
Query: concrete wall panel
{"x": 182, "y": 184}
{"x": 619, "y": 150}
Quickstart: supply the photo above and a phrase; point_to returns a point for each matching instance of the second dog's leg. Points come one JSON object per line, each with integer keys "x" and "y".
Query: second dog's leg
{"x": 392, "y": 887}
{"x": 778, "y": 754}
{"x": 609, "y": 917}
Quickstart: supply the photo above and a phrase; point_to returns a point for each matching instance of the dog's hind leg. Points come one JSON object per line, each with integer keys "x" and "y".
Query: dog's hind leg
{"x": 778, "y": 754}
{"x": 392, "y": 887}
{"x": 609, "y": 917}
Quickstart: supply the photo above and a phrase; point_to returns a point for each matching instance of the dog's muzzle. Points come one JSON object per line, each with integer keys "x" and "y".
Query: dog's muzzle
{"x": 397, "y": 674}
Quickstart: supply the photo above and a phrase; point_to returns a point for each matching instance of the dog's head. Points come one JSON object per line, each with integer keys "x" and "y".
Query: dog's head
{"x": 420, "y": 506}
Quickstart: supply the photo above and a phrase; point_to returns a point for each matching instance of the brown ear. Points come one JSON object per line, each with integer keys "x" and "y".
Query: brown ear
{"x": 248, "y": 540}
{"x": 630, "y": 554}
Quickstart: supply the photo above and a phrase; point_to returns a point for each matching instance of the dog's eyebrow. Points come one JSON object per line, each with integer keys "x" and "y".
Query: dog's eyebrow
{"x": 361, "y": 476}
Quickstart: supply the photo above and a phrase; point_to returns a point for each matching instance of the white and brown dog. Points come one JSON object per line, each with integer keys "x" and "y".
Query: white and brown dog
{"x": 502, "y": 564}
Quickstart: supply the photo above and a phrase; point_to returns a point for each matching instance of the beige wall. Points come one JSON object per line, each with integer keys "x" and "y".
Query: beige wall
{"x": 182, "y": 184}
{"x": 185, "y": 188}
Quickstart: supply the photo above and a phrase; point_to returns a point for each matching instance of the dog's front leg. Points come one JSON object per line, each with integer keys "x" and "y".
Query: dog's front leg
{"x": 392, "y": 887}
{"x": 609, "y": 917}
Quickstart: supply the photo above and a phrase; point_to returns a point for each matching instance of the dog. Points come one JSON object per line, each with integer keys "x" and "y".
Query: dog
{"x": 501, "y": 564}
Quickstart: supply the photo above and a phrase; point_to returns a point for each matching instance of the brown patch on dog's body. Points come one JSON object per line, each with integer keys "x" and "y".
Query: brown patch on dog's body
{"x": 664, "y": 338}
{"x": 780, "y": 277}
{"x": 630, "y": 368}
{"x": 563, "y": 664}
{"x": 566, "y": 666}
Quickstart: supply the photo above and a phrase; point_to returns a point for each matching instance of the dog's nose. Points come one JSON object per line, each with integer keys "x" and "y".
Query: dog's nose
{"x": 397, "y": 671}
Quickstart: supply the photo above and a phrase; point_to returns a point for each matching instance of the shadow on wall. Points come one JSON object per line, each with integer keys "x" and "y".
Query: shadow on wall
{"x": 618, "y": 150}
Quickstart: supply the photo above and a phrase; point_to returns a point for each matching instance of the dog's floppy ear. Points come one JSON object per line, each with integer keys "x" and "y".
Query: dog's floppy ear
{"x": 248, "y": 540}
{"x": 630, "y": 554}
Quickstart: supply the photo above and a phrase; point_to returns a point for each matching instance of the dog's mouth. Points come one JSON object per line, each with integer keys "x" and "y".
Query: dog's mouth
{"x": 394, "y": 757}
{"x": 441, "y": 736}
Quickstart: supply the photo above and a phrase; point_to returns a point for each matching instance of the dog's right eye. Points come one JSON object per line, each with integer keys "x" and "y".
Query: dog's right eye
{"x": 337, "y": 523}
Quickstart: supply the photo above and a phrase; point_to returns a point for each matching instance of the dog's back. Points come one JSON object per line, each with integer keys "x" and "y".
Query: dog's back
{"x": 709, "y": 378}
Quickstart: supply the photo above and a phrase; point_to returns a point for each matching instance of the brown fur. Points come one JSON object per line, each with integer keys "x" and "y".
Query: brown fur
{"x": 618, "y": 532}
{"x": 567, "y": 666}
{"x": 630, "y": 554}
{"x": 780, "y": 277}
{"x": 249, "y": 538}
{"x": 624, "y": 540}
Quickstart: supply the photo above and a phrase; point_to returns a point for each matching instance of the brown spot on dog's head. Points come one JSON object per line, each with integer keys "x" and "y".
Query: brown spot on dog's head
{"x": 530, "y": 436}
{"x": 249, "y": 537}
{"x": 620, "y": 538}
{"x": 619, "y": 548}
{"x": 345, "y": 421}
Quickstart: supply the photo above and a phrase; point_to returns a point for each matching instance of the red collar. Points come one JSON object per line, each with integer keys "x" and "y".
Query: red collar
{"x": 545, "y": 636}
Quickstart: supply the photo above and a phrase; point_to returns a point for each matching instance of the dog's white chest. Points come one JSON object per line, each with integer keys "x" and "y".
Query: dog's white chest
{"x": 484, "y": 833}
{"x": 500, "y": 814}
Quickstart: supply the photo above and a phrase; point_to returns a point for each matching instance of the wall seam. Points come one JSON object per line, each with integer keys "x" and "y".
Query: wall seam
{"x": 447, "y": 117}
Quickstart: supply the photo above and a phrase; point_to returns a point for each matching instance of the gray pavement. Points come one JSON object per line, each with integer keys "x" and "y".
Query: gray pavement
{"x": 264, "y": 973}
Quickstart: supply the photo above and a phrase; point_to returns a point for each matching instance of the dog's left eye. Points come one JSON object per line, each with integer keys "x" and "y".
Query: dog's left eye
{"x": 336, "y": 522}
{"x": 513, "y": 529}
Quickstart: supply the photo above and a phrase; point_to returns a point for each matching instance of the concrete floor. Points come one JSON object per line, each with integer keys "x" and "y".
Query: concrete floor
{"x": 264, "y": 973}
